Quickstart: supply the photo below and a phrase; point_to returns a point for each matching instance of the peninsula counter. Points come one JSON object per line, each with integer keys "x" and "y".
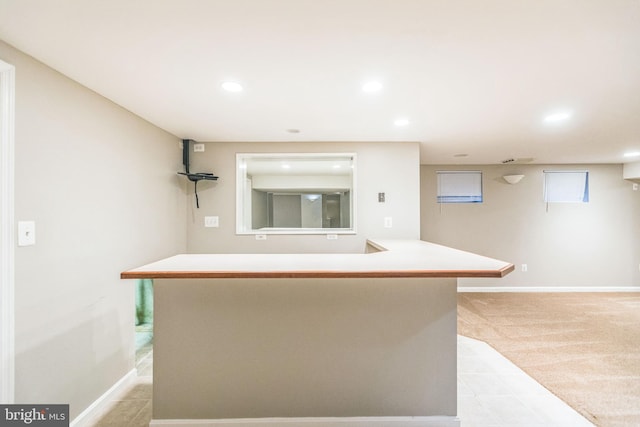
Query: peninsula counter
{"x": 310, "y": 340}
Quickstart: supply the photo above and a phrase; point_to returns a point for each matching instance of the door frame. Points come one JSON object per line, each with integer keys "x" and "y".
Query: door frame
{"x": 7, "y": 233}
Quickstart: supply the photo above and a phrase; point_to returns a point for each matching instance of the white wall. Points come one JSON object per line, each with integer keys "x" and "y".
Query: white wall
{"x": 391, "y": 167}
{"x": 592, "y": 244}
{"x": 631, "y": 171}
{"x": 101, "y": 186}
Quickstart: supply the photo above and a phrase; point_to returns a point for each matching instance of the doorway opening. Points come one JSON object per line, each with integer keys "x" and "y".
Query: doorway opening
{"x": 144, "y": 326}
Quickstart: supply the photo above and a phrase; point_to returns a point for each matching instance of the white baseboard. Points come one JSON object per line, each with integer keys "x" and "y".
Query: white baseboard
{"x": 549, "y": 289}
{"x": 439, "y": 421}
{"x": 95, "y": 408}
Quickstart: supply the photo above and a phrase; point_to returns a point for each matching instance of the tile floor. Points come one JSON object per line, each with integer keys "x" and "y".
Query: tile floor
{"x": 492, "y": 392}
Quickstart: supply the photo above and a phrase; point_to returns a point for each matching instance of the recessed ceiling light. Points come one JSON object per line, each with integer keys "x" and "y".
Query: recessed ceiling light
{"x": 293, "y": 130}
{"x": 632, "y": 154}
{"x": 286, "y": 166}
{"x": 232, "y": 87}
{"x": 372, "y": 86}
{"x": 557, "y": 117}
{"x": 401, "y": 122}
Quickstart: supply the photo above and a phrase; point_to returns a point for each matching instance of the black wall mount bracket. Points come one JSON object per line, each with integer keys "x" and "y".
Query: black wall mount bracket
{"x": 194, "y": 177}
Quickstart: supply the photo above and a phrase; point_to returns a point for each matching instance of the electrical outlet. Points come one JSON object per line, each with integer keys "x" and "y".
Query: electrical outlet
{"x": 198, "y": 148}
{"x": 635, "y": 186}
{"x": 524, "y": 268}
{"x": 332, "y": 237}
{"x": 26, "y": 233}
{"x": 211, "y": 221}
{"x": 261, "y": 237}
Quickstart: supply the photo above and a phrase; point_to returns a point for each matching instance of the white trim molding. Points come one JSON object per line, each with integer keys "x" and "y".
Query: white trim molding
{"x": 435, "y": 421}
{"x": 7, "y": 233}
{"x": 463, "y": 289}
{"x": 87, "y": 417}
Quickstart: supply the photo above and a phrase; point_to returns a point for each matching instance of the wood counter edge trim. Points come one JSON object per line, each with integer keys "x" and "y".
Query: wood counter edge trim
{"x": 507, "y": 269}
{"x": 314, "y": 274}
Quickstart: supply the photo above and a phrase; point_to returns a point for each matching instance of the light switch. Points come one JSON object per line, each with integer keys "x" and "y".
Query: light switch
{"x": 388, "y": 222}
{"x": 26, "y": 233}
{"x": 198, "y": 148}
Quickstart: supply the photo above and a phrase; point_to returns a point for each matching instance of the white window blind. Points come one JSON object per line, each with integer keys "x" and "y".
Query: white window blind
{"x": 566, "y": 186}
{"x": 459, "y": 186}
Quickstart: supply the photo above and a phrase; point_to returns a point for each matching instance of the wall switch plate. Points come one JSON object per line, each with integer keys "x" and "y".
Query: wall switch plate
{"x": 26, "y": 233}
{"x": 211, "y": 221}
{"x": 332, "y": 237}
{"x": 261, "y": 237}
{"x": 388, "y": 222}
{"x": 198, "y": 148}
{"x": 381, "y": 197}
{"x": 635, "y": 186}
{"x": 524, "y": 268}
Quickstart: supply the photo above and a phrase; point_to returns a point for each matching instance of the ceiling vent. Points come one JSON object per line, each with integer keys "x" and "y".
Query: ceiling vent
{"x": 519, "y": 161}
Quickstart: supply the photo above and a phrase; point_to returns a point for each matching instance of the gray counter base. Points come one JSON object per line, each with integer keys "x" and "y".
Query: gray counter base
{"x": 316, "y": 422}
{"x": 311, "y": 352}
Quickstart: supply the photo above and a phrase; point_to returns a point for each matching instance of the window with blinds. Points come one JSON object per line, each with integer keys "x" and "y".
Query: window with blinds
{"x": 459, "y": 186}
{"x": 566, "y": 186}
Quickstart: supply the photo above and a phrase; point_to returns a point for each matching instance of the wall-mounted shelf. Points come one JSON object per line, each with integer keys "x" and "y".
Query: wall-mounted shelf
{"x": 195, "y": 177}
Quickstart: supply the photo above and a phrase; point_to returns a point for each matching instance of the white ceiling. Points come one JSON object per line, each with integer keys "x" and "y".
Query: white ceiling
{"x": 473, "y": 77}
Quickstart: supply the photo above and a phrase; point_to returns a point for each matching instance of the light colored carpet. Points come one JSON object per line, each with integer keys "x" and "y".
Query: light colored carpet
{"x": 583, "y": 347}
